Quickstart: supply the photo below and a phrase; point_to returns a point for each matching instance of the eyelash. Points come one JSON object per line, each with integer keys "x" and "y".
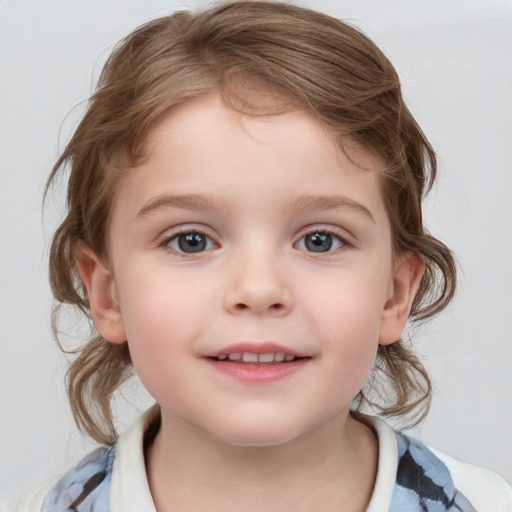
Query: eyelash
{"x": 334, "y": 233}
{"x": 165, "y": 243}
{"x": 175, "y": 236}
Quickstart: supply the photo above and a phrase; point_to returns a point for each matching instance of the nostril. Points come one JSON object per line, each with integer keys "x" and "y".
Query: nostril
{"x": 259, "y": 300}
{"x": 276, "y": 307}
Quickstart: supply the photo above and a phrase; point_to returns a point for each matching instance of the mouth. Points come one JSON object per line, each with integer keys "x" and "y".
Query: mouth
{"x": 254, "y": 358}
{"x": 257, "y": 364}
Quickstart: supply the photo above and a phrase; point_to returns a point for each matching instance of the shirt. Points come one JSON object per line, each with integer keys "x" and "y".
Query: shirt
{"x": 411, "y": 477}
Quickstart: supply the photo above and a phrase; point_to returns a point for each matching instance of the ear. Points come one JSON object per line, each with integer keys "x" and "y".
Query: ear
{"x": 406, "y": 280}
{"x": 101, "y": 291}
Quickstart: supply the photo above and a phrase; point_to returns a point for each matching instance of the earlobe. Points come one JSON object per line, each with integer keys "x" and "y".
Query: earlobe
{"x": 406, "y": 281}
{"x": 102, "y": 294}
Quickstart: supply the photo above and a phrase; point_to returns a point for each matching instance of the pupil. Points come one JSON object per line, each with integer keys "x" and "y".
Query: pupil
{"x": 318, "y": 242}
{"x": 192, "y": 242}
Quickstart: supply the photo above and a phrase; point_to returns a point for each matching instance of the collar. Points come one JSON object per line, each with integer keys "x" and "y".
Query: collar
{"x": 130, "y": 488}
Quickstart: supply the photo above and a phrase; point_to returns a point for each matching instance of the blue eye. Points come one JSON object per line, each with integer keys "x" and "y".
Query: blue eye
{"x": 320, "y": 241}
{"x": 190, "y": 243}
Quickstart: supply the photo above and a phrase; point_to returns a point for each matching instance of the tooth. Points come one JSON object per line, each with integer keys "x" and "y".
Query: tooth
{"x": 247, "y": 357}
{"x": 222, "y": 356}
{"x": 289, "y": 357}
{"x": 235, "y": 356}
{"x": 266, "y": 358}
{"x": 279, "y": 357}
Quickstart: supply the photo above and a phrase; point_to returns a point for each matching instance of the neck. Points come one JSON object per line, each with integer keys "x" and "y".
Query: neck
{"x": 332, "y": 467}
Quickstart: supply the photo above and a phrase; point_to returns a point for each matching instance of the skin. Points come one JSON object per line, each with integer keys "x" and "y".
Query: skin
{"x": 262, "y": 184}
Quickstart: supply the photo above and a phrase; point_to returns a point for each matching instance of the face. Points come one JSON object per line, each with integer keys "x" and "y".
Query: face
{"x": 251, "y": 272}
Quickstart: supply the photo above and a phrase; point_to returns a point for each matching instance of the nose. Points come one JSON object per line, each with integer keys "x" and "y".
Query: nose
{"x": 257, "y": 286}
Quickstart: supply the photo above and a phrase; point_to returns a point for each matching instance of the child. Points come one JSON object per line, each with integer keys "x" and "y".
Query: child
{"x": 244, "y": 228}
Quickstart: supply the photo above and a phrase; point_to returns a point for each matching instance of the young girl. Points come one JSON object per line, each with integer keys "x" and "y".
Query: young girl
{"x": 245, "y": 231}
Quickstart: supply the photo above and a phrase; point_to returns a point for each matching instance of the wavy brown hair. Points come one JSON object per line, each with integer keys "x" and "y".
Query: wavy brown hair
{"x": 263, "y": 57}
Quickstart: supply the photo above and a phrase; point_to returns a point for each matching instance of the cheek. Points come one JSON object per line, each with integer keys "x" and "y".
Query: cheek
{"x": 159, "y": 324}
{"x": 347, "y": 325}
{"x": 350, "y": 312}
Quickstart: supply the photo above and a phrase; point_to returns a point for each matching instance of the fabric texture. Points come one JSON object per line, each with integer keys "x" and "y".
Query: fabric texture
{"x": 86, "y": 487}
{"x": 423, "y": 482}
{"x": 410, "y": 478}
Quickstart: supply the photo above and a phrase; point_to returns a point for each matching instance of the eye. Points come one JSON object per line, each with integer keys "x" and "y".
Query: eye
{"x": 190, "y": 243}
{"x": 320, "y": 241}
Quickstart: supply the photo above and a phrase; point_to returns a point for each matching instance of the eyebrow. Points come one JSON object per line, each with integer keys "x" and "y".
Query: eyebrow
{"x": 301, "y": 203}
{"x": 333, "y": 202}
{"x": 186, "y": 202}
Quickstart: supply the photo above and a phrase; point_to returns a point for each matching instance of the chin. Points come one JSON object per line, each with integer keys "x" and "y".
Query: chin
{"x": 256, "y": 439}
{"x": 258, "y": 433}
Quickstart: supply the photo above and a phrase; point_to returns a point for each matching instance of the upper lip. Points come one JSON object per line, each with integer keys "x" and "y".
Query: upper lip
{"x": 266, "y": 347}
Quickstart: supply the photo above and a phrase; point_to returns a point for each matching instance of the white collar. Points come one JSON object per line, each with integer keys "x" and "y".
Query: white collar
{"x": 387, "y": 465}
{"x": 130, "y": 488}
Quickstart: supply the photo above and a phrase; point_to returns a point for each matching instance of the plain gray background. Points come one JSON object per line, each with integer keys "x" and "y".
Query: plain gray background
{"x": 455, "y": 61}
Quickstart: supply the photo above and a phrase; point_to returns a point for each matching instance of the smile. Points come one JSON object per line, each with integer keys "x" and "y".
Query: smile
{"x": 250, "y": 357}
{"x": 257, "y": 363}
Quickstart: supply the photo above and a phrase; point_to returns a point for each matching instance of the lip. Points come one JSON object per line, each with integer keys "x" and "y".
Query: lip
{"x": 257, "y": 373}
{"x": 255, "y": 348}
{"x": 254, "y": 373}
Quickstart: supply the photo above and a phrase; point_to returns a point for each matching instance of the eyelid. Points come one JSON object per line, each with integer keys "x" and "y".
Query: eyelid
{"x": 336, "y": 232}
{"x": 173, "y": 233}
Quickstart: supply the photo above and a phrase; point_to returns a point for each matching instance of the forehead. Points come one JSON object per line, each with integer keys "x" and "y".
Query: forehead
{"x": 203, "y": 147}
{"x": 267, "y": 124}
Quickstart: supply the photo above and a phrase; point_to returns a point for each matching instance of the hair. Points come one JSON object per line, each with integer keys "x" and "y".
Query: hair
{"x": 263, "y": 57}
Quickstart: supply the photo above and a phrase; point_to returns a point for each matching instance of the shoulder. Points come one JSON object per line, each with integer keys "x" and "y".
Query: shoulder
{"x": 84, "y": 486}
{"x": 431, "y": 480}
{"x": 487, "y": 490}
{"x": 413, "y": 477}
{"x": 110, "y": 479}
{"x": 34, "y": 500}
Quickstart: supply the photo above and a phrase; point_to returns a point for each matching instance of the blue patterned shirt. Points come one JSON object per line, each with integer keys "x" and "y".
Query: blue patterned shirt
{"x": 423, "y": 483}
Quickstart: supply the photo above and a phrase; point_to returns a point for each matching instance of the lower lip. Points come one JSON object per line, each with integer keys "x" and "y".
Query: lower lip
{"x": 258, "y": 373}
